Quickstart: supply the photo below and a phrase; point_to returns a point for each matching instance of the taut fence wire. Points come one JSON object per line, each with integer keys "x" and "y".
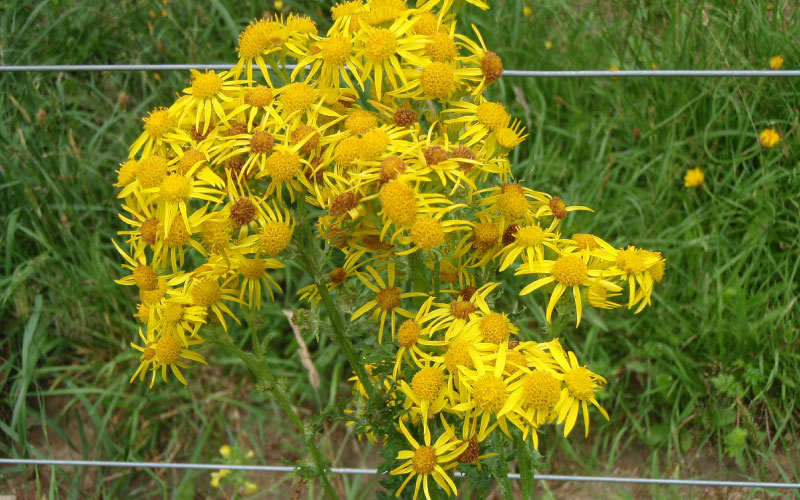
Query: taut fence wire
{"x": 640, "y": 73}
{"x": 357, "y": 471}
{"x": 659, "y": 73}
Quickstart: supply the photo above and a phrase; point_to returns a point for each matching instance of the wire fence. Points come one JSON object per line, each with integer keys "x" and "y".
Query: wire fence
{"x": 357, "y": 471}
{"x": 639, "y": 73}
{"x": 680, "y": 73}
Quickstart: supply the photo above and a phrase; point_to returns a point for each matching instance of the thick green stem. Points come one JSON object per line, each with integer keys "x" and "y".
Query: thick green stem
{"x": 418, "y": 278}
{"x": 264, "y": 374}
{"x": 526, "y": 471}
{"x": 436, "y": 277}
{"x": 344, "y": 344}
{"x": 309, "y": 259}
{"x": 500, "y": 472}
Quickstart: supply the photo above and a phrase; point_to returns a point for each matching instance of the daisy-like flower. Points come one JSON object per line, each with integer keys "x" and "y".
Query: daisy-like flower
{"x": 253, "y": 272}
{"x": 143, "y": 226}
{"x": 148, "y": 172}
{"x": 507, "y": 138}
{"x": 601, "y": 297}
{"x": 490, "y": 394}
{"x": 485, "y": 237}
{"x": 557, "y": 209}
{"x": 464, "y": 310}
{"x": 171, "y": 247}
{"x": 256, "y": 145}
{"x": 427, "y": 393}
{"x": 174, "y": 194}
{"x": 632, "y": 265}
{"x": 255, "y": 102}
{"x": 178, "y": 318}
{"x": 424, "y": 461}
{"x": 528, "y": 241}
{"x": 429, "y": 231}
{"x": 256, "y": 42}
{"x": 768, "y": 138}
{"x": 334, "y": 60}
{"x": 539, "y": 391}
{"x": 383, "y": 51}
{"x": 580, "y": 385}
{"x": 436, "y": 80}
{"x": 373, "y": 175}
{"x": 694, "y": 178}
{"x": 452, "y": 266}
{"x": 275, "y": 233}
{"x": 451, "y": 164}
{"x": 401, "y": 203}
{"x": 410, "y": 339}
{"x": 142, "y": 275}
{"x": 343, "y": 14}
{"x": 284, "y": 167}
{"x": 490, "y": 64}
{"x": 206, "y": 291}
{"x": 165, "y": 353}
{"x": 472, "y": 454}
{"x": 480, "y": 119}
{"x": 513, "y": 202}
{"x": 148, "y": 358}
{"x": 208, "y": 93}
{"x": 159, "y": 123}
{"x": 387, "y": 301}
{"x": 569, "y": 270}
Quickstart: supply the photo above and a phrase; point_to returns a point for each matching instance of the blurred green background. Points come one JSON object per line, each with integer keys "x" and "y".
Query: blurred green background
{"x": 702, "y": 384}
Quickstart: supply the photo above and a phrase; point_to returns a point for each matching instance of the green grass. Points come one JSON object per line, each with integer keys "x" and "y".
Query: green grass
{"x": 716, "y": 352}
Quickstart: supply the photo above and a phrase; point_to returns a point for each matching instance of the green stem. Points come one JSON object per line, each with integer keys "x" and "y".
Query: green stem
{"x": 344, "y": 344}
{"x": 418, "y": 277}
{"x": 500, "y": 472}
{"x": 264, "y": 374}
{"x": 526, "y": 471}
{"x": 436, "y": 277}
{"x": 309, "y": 259}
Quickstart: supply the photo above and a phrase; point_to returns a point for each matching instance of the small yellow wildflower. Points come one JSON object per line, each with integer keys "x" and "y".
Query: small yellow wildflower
{"x": 428, "y": 460}
{"x": 527, "y": 11}
{"x": 249, "y": 486}
{"x": 775, "y": 62}
{"x": 769, "y": 138}
{"x": 694, "y": 178}
{"x": 548, "y": 45}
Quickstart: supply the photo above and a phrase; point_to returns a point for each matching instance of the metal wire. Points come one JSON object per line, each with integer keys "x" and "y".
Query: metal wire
{"x": 639, "y": 73}
{"x": 349, "y": 470}
{"x": 346, "y": 470}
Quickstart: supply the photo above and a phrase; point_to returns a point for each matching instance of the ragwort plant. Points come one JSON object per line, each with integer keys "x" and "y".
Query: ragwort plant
{"x": 378, "y": 167}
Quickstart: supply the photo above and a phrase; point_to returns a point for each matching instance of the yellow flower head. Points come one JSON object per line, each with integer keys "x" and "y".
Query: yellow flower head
{"x": 768, "y": 138}
{"x": 694, "y": 178}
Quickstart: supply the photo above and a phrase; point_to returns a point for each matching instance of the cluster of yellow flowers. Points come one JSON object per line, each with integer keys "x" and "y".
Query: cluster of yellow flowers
{"x": 382, "y": 125}
{"x": 223, "y": 477}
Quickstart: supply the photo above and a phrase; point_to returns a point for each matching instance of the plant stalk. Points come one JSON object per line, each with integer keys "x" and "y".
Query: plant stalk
{"x": 500, "y": 472}
{"x": 263, "y": 373}
{"x": 344, "y": 344}
{"x": 310, "y": 260}
{"x": 526, "y": 471}
{"x": 419, "y": 279}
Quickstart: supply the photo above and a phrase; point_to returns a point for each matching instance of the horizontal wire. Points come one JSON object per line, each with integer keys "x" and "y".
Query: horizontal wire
{"x": 736, "y": 73}
{"x": 349, "y": 470}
